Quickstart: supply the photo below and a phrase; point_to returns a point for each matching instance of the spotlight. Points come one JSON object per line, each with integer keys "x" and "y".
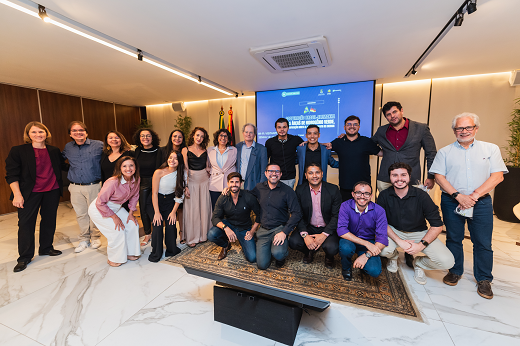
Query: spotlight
{"x": 414, "y": 71}
{"x": 472, "y": 6}
{"x": 459, "y": 19}
{"x": 139, "y": 55}
{"x": 43, "y": 14}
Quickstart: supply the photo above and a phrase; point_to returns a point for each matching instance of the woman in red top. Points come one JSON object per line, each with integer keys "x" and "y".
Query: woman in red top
{"x": 33, "y": 170}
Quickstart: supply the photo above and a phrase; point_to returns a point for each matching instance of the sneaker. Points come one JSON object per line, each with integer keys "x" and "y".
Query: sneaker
{"x": 96, "y": 243}
{"x": 82, "y": 246}
{"x": 484, "y": 289}
{"x": 419, "y": 274}
{"x": 392, "y": 266}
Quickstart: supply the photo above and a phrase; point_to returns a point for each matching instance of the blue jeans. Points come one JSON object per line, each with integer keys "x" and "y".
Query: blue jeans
{"x": 220, "y": 238}
{"x": 347, "y": 249}
{"x": 481, "y": 230}
{"x": 265, "y": 247}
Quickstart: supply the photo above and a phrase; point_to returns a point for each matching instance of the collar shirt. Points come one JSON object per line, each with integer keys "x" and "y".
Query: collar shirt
{"x": 84, "y": 160}
{"x": 369, "y": 225}
{"x": 277, "y": 204}
{"x": 317, "y": 217}
{"x": 467, "y": 169}
{"x": 244, "y": 158}
{"x": 409, "y": 214}
{"x": 221, "y": 158}
{"x": 117, "y": 191}
{"x": 283, "y": 153}
{"x": 239, "y": 215}
{"x": 397, "y": 137}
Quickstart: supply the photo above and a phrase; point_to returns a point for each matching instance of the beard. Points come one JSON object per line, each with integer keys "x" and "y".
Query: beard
{"x": 466, "y": 139}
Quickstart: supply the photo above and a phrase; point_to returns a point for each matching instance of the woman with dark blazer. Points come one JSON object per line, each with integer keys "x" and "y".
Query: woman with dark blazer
{"x": 115, "y": 147}
{"x": 33, "y": 170}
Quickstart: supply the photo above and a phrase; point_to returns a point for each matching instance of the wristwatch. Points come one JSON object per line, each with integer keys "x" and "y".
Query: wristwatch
{"x": 424, "y": 242}
{"x": 368, "y": 254}
{"x": 455, "y": 194}
{"x": 304, "y": 234}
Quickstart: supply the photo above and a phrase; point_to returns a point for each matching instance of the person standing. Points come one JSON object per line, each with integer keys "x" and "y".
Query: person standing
{"x": 281, "y": 150}
{"x": 84, "y": 156}
{"x": 119, "y": 226}
{"x": 167, "y": 194}
{"x": 149, "y": 159}
{"x": 33, "y": 171}
{"x": 251, "y": 158}
{"x": 197, "y": 201}
{"x": 222, "y": 161}
{"x": 354, "y": 153}
{"x": 401, "y": 140}
{"x": 115, "y": 147}
{"x": 313, "y": 152}
{"x": 467, "y": 170}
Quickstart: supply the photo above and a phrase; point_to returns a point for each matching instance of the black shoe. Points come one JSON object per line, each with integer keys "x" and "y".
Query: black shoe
{"x": 329, "y": 262}
{"x": 308, "y": 257}
{"x": 279, "y": 264}
{"x": 21, "y": 266}
{"x": 52, "y": 252}
{"x": 347, "y": 274}
{"x": 409, "y": 260}
{"x": 223, "y": 252}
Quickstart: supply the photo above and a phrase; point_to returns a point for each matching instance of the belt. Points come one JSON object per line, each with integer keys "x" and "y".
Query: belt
{"x": 481, "y": 197}
{"x": 93, "y": 183}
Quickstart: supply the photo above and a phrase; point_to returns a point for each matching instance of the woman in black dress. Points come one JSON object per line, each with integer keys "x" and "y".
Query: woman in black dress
{"x": 115, "y": 147}
{"x": 149, "y": 159}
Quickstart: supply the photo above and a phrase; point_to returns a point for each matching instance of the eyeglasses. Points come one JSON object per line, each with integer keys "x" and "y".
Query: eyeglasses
{"x": 352, "y": 125}
{"x": 74, "y": 131}
{"x": 364, "y": 194}
{"x": 273, "y": 171}
{"x": 467, "y": 128}
{"x": 146, "y": 136}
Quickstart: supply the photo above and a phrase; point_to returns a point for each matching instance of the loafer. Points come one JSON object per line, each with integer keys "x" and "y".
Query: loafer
{"x": 223, "y": 252}
{"x": 329, "y": 262}
{"x": 451, "y": 279}
{"x": 347, "y": 274}
{"x": 408, "y": 259}
{"x": 308, "y": 257}
{"x": 279, "y": 264}
{"x": 21, "y": 266}
{"x": 484, "y": 289}
{"x": 52, "y": 252}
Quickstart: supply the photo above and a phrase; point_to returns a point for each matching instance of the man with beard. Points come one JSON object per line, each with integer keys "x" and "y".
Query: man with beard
{"x": 362, "y": 227}
{"x": 467, "y": 171}
{"x": 407, "y": 209}
{"x": 231, "y": 219}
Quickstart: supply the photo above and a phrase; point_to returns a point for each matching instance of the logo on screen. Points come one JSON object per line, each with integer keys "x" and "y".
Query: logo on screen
{"x": 307, "y": 110}
{"x": 292, "y": 93}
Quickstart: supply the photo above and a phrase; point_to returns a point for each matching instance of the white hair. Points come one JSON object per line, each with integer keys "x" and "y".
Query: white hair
{"x": 249, "y": 124}
{"x": 473, "y": 116}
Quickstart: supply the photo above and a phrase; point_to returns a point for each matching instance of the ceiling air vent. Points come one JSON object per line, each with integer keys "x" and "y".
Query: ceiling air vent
{"x": 289, "y": 56}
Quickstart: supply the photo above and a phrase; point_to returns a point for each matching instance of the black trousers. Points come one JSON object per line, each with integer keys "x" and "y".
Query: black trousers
{"x": 145, "y": 204}
{"x": 47, "y": 203}
{"x": 330, "y": 246}
{"x": 214, "y": 195}
{"x": 346, "y": 194}
{"x": 166, "y": 204}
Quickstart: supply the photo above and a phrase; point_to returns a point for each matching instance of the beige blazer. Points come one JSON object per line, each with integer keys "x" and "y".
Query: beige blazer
{"x": 217, "y": 175}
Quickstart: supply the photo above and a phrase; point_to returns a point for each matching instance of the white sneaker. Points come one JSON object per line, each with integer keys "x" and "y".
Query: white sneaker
{"x": 95, "y": 243}
{"x": 82, "y": 246}
{"x": 419, "y": 274}
{"x": 392, "y": 266}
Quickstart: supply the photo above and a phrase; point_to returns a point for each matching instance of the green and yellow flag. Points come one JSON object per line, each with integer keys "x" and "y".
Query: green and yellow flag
{"x": 221, "y": 119}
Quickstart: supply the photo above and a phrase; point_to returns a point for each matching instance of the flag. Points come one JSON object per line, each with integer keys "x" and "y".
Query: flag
{"x": 230, "y": 126}
{"x": 221, "y": 119}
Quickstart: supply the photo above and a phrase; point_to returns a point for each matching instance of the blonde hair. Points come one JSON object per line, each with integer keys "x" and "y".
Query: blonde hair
{"x": 27, "y": 138}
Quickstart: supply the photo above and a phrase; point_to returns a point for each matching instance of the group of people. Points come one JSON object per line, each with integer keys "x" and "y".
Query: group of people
{"x": 213, "y": 192}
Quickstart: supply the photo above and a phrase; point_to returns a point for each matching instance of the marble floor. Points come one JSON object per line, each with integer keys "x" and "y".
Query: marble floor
{"x": 77, "y": 299}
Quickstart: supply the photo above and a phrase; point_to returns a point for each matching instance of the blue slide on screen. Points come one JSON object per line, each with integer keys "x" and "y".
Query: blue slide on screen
{"x": 326, "y": 106}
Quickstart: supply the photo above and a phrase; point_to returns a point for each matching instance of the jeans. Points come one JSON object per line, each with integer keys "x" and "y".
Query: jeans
{"x": 265, "y": 247}
{"x": 219, "y": 237}
{"x": 347, "y": 249}
{"x": 481, "y": 230}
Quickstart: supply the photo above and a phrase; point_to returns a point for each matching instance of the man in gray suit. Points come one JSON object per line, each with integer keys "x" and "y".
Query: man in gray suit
{"x": 401, "y": 141}
{"x": 251, "y": 158}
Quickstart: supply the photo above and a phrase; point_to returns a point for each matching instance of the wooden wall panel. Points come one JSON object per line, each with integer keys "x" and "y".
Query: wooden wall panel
{"x": 99, "y": 118}
{"x": 18, "y": 106}
{"x": 127, "y": 120}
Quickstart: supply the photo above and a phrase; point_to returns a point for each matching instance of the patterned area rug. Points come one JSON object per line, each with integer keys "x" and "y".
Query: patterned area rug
{"x": 387, "y": 292}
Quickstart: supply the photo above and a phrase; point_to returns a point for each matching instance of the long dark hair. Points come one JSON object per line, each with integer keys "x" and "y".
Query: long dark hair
{"x": 181, "y": 183}
{"x": 169, "y": 147}
{"x": 137, "y": 137}
{"x": 107, "y": 149}
{"x": 117, "y": 170}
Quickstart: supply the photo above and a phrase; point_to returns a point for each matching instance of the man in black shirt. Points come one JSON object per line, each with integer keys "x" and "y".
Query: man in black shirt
{"x": 354, "y": 153}
{"x": 407, "y": 209}
{"x": 281, "y": 150}
{"x": 277, "y": 201}
{"x": 232, "y": 219}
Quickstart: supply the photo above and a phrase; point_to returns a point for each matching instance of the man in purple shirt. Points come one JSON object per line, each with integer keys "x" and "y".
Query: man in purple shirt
{"x": 362, "y": 227}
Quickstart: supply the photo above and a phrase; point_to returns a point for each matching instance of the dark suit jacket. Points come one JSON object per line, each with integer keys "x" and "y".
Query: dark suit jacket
{"x": 255, "y": 168}
{"x": 330, "y": 204}
{"x": 20, "y": 166}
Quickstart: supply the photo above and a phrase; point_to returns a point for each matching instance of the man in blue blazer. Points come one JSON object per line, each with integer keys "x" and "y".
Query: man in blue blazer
{"x": 314, "y": 152}
{"x": 251, "y": 158}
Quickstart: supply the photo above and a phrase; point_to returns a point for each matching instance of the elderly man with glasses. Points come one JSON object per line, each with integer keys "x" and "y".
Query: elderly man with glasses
{"x": 467, "y": 170}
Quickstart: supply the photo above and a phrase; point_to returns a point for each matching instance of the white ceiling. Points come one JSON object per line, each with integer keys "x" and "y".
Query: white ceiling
{"x": 367, "y": 39}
